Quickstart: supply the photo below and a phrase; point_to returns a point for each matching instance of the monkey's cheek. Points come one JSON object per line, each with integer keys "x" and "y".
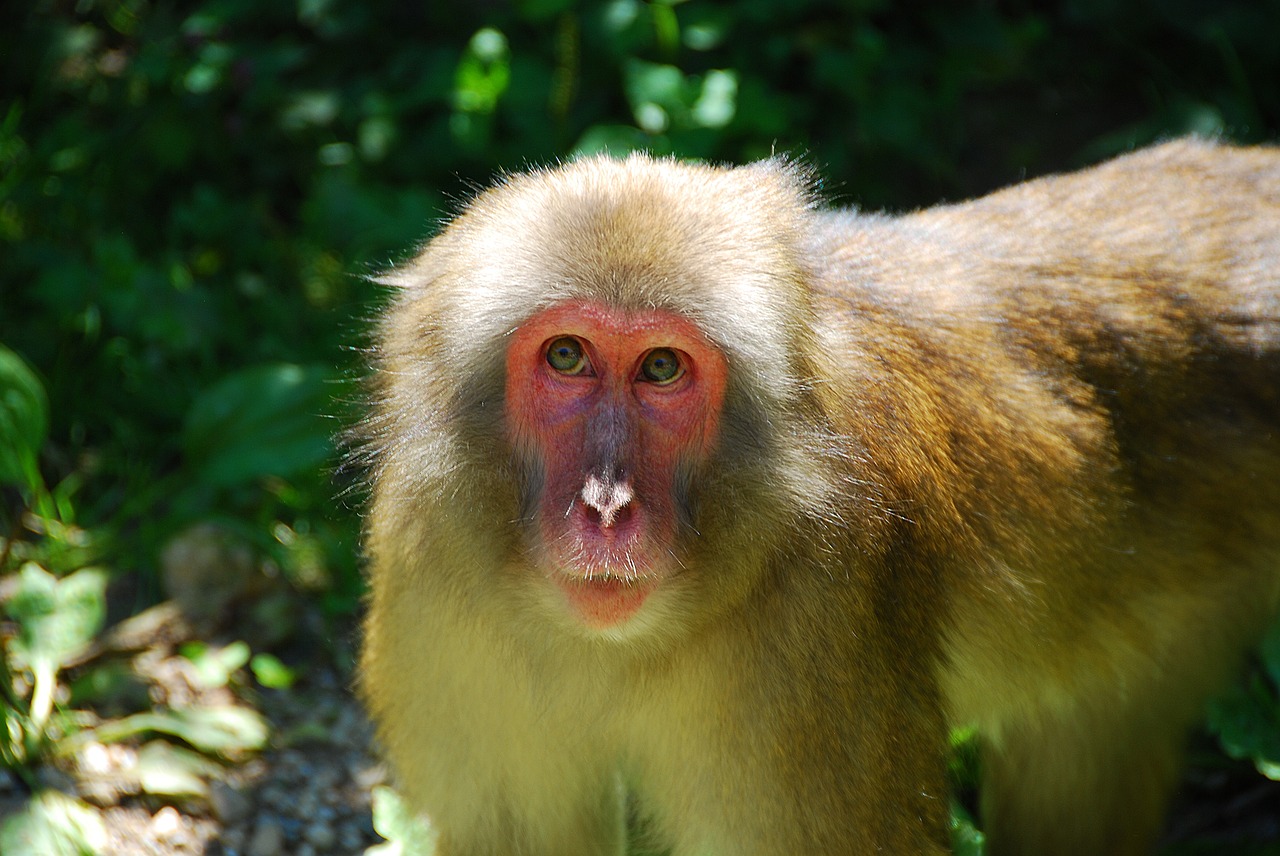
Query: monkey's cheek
{"x": 605, "y": 603}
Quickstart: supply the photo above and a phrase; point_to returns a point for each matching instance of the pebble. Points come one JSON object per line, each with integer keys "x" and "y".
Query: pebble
{"x": 321, "y": 835}
{"x": 351, "y": 839}
{"x": 267, "y": 838}
{"x": 166, "y": 822}
{"x": 95, "y": 759}
{"x": 230, "y": 804}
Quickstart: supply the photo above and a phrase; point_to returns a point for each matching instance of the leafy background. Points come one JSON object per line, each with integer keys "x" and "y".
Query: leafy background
{"x": 193, "y": 194}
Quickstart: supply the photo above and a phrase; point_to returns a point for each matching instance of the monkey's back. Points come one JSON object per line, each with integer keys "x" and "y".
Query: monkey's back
{"x": 1095, "y": 359}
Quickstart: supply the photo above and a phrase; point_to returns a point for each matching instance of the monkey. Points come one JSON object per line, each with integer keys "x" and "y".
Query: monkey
{"x": 699, "y": 501}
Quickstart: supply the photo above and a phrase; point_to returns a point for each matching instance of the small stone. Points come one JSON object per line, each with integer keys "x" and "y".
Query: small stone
{"x": 166, "y": 823}
{"x": 274, "y": 796}
{"x": 230, "y": 804}
{"x": 321, "y": 835}
{"x": 267, "y": 838}
{"x": 233, "y": 839}
{"x": 307, "y": 805}
{"x": 351, "y": 839}
{"x": 103, "y": 793}
{"x": 95, "y": 759}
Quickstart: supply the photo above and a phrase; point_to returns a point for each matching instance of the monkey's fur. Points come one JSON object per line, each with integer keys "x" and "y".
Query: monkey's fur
{"x": 1013, "y": 463}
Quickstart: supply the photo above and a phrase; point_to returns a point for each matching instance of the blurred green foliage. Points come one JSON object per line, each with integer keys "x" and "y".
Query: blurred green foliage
{"x": 192, "y": 195}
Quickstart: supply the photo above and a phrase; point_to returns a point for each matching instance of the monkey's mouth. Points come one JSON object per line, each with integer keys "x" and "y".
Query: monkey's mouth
{"x": 605, "y": 600}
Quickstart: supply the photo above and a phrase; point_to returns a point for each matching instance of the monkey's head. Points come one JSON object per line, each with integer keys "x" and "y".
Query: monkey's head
{"x": 595, "y": 364}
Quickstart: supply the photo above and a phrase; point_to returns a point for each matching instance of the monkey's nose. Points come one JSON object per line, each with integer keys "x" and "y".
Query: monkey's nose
{"x": 607, "y": 497}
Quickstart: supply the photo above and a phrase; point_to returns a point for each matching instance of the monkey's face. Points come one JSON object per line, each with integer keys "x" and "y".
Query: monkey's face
{"x": 612, "y": 409}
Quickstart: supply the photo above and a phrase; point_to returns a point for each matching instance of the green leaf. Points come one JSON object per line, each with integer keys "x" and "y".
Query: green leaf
{"x": 57, "y": 618}
{"x": 656, "y": 93}
{"x": 215, "y": 666}
{"x": 1247, "y": 722}
{"x": 171, "y": 771}
{"x": 263, "y": 421}
{"x": 966, "y": 838}
{"x": 272, "y": 673}
{"x": 53, "y": 824}
{"x": 221, "y": 729}
{"x": 484, "y": 72}
{"x": 718, "y": 101}
{"x": 24, "y": 421}
{"x": 407, "y": 833}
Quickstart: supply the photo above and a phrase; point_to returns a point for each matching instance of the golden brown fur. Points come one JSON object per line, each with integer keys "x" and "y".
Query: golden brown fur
{"x": 1012, "y": 463}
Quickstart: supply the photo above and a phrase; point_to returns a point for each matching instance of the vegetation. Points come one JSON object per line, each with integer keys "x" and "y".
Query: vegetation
{"x": 192, "y": 195}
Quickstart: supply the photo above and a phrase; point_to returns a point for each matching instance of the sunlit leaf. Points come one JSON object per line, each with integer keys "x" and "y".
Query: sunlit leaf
{"x": 215, "y": 666}
{"x": 483, "y": 74}
{"x": 220, "y": 729}
{"x": 56, "y": 618}
{"x": 272, "y": 673}
{"x": 167, "y": 770}
{"x": 407, "y": 833}
{"x": 717, "y": 104}
{"x": 53, "y": 824}
{"x": 966, "y": 838}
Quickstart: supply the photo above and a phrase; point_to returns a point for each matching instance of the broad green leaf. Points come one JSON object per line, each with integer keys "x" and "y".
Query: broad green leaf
{"x": 263, "y": 421}
{"x": 53, "y": 824}
{"x": 1247, "y": 722}
{"x": 718, "y": 101}
{"x": 56, "y": 618}
{"x": 167, "y": 770}
{"x": 483, "y": 74}
{"x": 272, "y": 673}
{"x": 407, "y": 833}
{"x": 221, "y": 729}
{"x": 656, "y": 92}
{"x": 24, "y": 421}
{"x": 215, "y": 666}
{"x": 966, "y": 838}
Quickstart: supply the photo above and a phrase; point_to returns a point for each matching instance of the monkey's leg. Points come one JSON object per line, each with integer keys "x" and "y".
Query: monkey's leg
{"x": 499, "y": 828}
{"x": 1090, "y": 783}
{"x": 1094, "y": 775}
{"x": 490, "y": 792}
{"x": 497, "y": 767}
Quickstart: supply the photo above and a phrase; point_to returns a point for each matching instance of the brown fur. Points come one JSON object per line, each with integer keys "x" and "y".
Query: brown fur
{"x": 1013, "y": 463}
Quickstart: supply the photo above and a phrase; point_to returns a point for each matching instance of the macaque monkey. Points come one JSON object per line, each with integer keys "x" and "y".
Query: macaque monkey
{"x": 698, "y": 503}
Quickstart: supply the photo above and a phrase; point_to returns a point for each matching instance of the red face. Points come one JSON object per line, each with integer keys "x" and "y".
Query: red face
{"x": 614, "y": 404}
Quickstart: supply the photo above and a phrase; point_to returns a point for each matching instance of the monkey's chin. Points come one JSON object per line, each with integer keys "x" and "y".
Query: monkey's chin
{"x": 605, "y": 603}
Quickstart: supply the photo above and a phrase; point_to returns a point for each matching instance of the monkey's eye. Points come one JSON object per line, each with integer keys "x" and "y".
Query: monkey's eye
{"x": 661, "y": 366}
{"x": 565, "y": 356}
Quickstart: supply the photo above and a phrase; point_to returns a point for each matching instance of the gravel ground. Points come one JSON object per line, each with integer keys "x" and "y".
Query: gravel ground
{"x": 306, "y": 794}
